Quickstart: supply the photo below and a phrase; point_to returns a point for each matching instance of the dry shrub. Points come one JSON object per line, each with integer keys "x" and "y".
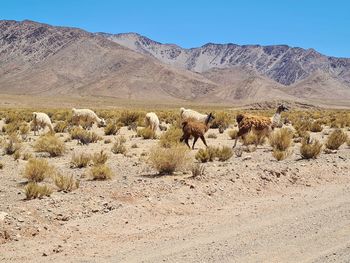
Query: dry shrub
{"x": 222, "y": 120}
{"x": 197, "y": 170}
{"x": 224, "y": 153}
{"x": 316, "y": 127}
{"x": 171, "y": 137}
{"x": 129, "y": 117}
{"x": 24, "y": 130}
{"x": 281, "y": 139}
{"x": 61, "y": 126}
{"x": 84, "y": 121}
{"x": 146, "y": 133}
{"x": 169, "y": 160}
{"x": 51, "y": 144}
{"x": 100, "y": 158}
{"x": 119, "y": 145}
{"x": 16, "y": 155}
{"x": 101, "y": 172}
{"x": 209, "y": 154}
{"x": 254, "y": 138}
{"x": 26, "y": 156}
{"x": 212, "y": 135}
{"x": 112, "y": 128}
{"x": 83, "y": 136}
{"x": 12, "y": 144}
{"x": 34, "y": 190}
{"x": 233, "y": 134}
{"x": 80, "y": 160}
{"x": 310, "y": 149}
{"x": 336, "y": 139}
{"x": 65, "y": 183}
{"x": 36, "y": 170}
{"x": 280, "y": 155}
{"x": 1, "y": 166}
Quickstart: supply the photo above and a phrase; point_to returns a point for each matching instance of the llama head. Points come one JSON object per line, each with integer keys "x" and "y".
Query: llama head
{"x": 102, "y": 123}
{"x": 210, "y": 117}
{"x": 239, "y": 118}
{"x": 282, "y": 108}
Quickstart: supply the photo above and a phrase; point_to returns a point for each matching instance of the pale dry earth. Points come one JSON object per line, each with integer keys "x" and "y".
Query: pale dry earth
{"x": 247, "y": 209}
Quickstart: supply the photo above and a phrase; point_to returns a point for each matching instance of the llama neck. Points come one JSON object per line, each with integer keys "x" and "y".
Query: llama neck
{"x": 276, "y": 117}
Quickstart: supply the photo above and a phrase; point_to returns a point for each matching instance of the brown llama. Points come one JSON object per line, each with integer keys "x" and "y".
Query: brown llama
{"x": 195, "y": 129}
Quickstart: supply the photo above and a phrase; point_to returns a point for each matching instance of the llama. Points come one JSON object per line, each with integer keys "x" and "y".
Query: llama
{"x": 86, "y": 114}
{"x": 152, "y": 121}
{"x": 196, "y": 129}
{"x": 260, "y": 125}
{"x": 41, "y": 120}
{"x": 191, "y": 114}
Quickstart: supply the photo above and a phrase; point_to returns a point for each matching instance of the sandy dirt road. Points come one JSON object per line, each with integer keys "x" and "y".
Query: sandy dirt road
{"x": 303, "y": 225}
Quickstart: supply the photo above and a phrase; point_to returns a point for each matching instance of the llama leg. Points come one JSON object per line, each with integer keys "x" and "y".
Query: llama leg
{"x": 203, "y": 140}
{"x": 240, "y": 133}
{"x": 194, "y": 142}
{"x": 186, "y": 141}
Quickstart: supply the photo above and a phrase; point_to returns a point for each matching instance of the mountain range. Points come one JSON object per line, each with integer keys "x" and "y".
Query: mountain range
{"x": 39, "y": 59}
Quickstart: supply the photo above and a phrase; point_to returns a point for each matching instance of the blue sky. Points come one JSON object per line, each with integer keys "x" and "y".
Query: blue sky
{"x": 323, "y": 25}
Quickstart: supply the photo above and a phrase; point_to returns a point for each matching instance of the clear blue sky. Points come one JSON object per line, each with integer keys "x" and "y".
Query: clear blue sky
{"x": 323, "y": 24}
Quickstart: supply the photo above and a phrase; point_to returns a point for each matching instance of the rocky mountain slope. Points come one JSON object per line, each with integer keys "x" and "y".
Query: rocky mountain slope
{"x": 284, "y": 64}
{"x": 39, "y": 59}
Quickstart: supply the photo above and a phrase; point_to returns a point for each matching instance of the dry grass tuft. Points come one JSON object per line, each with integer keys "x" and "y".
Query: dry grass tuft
{"x": 336, "y": 139}
{"x": 34, "y": 190}
{"x": 280, "y": 155}
{"x": 171, "y": 137}
{"x": 281, "y": 139}
{"x": 169, "y": 160}
{"x": 111, "y": 129}
{"x": 12, "y": 144}
{"x": 80, "y": 160}
{"x": 310, "y": 149}
{"x": 146, "y": 133}
{"x": 100, "y": 158}
{"x": 51, "y": 144}
{"x": 209, "y": 154}
{"x": 197, "y": 170}
{"x": 316, "y": 127}
{"x": 119, "y": 146}
{"x": 233, "y": 134}
{"x": 36, "y": 170}
{"x": 83, "y": 136}
{"x": 61, "y": 126}
{"x": 65, "y": 183}
{"x": 212, "y": 135}
{"x": 101, "y": 172}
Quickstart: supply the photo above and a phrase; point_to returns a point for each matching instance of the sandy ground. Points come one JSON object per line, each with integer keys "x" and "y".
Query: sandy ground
{"x": 247, "y": 209}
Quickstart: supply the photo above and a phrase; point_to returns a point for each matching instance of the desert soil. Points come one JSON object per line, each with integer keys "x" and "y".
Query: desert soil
{"x": 247, "y": 209}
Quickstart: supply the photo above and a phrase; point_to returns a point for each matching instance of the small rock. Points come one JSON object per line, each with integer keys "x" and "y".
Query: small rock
{"x": 248, "y": 157}
{"x": 3, "y": 215}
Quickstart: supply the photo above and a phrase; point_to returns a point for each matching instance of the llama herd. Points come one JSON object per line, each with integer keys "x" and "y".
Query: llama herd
{"x": 194, "y": 124}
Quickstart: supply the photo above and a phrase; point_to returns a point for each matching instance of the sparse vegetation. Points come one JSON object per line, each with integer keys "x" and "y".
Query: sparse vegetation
{"x": 316, "y": 127}
{"x": 280, "y": 141}
{"x": 83, "y": 136}
{"x": 233, "y": 134}
{"x": 169, "y": 160}
{"x": 336, "y": 139}
{"x": 171, "y": 137}
{"x": 80, "y": 160}
{"x": 61, "y": 126}
{"x": 12, "y": 144}
{"x": 119, "y": 145}
{"x": 146, "y": 133}
{"x": 34, "y": 190}
{"x": 197, "y": 170}
{"x": 280, "y": 155}
{"x": 101, "y": 172}
{"x": 310, "y": 149}
{"x": 212, "y": 135}
{"x": 209, "y": 154}
{"x": 111, "y": 129}
{"x": 65, "y": 183}
{"x": 51, "y": 144}
{"x": 100, "y": 158}
{"x": 36, "y": 170}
